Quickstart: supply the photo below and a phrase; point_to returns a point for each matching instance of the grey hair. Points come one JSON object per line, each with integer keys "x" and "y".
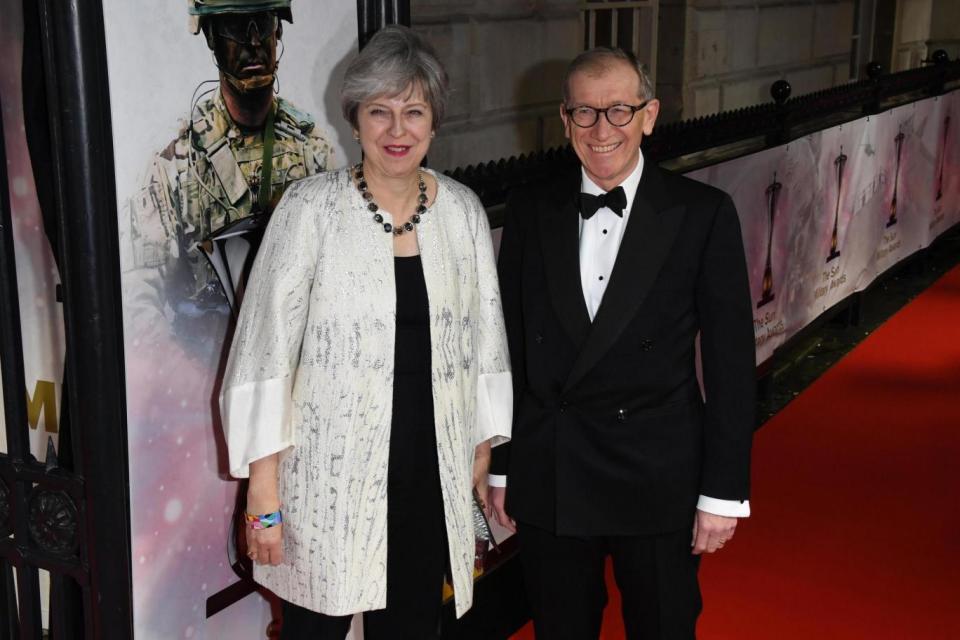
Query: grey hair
{"x": 597, "y": 61}
{"x": 395, "y": 60}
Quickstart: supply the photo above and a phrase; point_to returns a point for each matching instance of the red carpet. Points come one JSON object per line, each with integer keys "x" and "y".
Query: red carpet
{"x": 856, "y": 526}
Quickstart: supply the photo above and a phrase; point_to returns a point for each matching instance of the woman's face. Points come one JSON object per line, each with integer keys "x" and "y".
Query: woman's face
{"x": 395, "y": 132}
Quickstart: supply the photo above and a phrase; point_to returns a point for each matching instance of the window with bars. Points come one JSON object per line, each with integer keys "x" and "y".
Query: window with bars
{"x": 630, "y": 25}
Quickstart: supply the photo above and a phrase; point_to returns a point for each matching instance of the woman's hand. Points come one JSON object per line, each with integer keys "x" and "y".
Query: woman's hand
{"x": 264, "y": 546}
{"x": 481, "y": 466}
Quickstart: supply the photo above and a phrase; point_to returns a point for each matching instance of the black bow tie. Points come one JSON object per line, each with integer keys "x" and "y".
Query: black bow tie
{"x": 615, "y": 200}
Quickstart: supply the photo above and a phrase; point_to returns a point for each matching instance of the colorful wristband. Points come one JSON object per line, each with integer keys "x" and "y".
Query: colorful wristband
{"x": 264, "y": 521}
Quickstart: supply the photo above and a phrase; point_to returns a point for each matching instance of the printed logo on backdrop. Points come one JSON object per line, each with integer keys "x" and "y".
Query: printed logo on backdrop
{"x": 767, "y": 323}
{"x": 845, "y": 185}
{"x": 833, "y": 277}
{"x": 944, "y": 147}
{"x": 779, "y": 215}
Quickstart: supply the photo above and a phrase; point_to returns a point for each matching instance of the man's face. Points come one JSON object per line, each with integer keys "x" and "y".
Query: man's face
{"x": 245, "y": 45}
{"x": 608, "y": 153}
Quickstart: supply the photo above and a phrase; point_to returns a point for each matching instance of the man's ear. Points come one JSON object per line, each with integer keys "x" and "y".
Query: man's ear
{"x": 650, "y": 117}
{"x": 566, "y": 121}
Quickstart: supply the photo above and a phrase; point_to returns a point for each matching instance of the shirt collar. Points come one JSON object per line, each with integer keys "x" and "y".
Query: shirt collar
{"x": 630, "y": 183}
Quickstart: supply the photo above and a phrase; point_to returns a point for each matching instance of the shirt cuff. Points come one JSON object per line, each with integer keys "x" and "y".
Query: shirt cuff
{"x": 257, "y": 419}
{"x": 494, "y": 408}
{"x": 725, "y": 508}
{"x": 495, "y": 480}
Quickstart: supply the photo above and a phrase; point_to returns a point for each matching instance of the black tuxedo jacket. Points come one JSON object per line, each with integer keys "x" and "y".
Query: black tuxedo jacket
{"x": 611, "y": 435}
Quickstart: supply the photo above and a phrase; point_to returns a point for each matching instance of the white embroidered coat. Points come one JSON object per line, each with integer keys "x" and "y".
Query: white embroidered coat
{"x": 310, "y": 375}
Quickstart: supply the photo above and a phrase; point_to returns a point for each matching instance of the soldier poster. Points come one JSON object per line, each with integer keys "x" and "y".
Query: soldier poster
{"x": 216, "y": 108}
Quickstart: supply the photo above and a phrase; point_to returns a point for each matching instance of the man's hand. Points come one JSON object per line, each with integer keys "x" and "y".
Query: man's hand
{"x": 496, "y": 497}
{"x": 711, "y": 532}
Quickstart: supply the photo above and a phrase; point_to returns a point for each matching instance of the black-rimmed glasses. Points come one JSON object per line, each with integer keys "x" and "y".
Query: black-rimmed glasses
{"x": 619, "y": 115}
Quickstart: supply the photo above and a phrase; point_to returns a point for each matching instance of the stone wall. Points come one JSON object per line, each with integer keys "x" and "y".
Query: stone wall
{"x": 911, "y": 34}
{"x": 735, "y": 49}
{"x": 922, "y": 27}
{"x": 945, "y": 27}
{"x": 505, "y": 59}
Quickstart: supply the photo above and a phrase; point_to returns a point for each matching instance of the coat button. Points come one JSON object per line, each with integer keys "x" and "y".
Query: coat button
{"x": 563, "y": 405}
{"x": 646, "y": 345}
{"x": 621, "y": 415}
{"x": 539, "y": 339}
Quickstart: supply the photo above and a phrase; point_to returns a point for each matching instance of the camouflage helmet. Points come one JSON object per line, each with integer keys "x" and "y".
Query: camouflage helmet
{"x": 199, "y": 9}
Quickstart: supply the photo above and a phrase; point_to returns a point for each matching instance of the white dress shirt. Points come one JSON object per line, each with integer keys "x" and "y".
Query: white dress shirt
{"x": 600, "y": 238}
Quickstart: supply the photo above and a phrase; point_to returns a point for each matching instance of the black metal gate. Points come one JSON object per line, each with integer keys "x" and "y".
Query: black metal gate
{"x": 70, "y": 514}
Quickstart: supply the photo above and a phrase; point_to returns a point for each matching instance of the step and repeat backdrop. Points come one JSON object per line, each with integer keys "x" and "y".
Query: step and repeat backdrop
{"x": 823, "y": 216}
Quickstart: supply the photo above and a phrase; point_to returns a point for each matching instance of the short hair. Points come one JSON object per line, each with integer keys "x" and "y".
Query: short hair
{"x": 394, "y": 60}
{"x": 597, "y": 60}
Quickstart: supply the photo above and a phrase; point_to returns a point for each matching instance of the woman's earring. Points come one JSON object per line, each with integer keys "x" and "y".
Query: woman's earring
{"x": 356, "y": 136}
{"x": 433, "y": 134}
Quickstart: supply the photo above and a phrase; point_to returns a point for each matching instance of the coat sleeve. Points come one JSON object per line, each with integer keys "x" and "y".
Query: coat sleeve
{"x": 494, "y": 385}
{"x": 729, "y": 360}
{"x": 256, "y": 397}
{"x": 510, "y": 267}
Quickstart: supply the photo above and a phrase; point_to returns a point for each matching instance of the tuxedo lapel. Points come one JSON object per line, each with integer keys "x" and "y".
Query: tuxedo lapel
{"x": 651, "y": 229}
{"x": 559, "y": 221}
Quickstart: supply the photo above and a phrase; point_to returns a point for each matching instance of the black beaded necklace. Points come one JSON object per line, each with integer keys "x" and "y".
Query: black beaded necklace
{"x": 375, "y": 208}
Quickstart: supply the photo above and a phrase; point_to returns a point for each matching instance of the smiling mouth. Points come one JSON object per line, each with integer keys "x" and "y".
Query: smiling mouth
{"x": 397, "y": 150}
{"x": 605, "y": 148}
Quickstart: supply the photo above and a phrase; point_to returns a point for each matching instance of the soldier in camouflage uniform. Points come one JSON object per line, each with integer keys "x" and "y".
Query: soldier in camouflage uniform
{"x": 212, "y": 174}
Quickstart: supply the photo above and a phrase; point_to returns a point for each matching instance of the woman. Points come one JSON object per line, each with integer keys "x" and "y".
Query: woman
{"x": 369, "y": 373}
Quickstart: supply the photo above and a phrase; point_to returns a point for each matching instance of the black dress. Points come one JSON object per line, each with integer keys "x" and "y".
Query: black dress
{"x": 416, "y": 533}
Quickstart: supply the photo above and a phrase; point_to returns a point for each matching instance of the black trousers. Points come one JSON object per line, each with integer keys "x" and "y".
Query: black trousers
{"x": 656, "y": 576}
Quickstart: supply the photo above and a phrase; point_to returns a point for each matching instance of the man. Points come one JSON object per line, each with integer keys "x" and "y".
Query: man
{"x": 232, "y": 159}
{"x": 607, "y": 277}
